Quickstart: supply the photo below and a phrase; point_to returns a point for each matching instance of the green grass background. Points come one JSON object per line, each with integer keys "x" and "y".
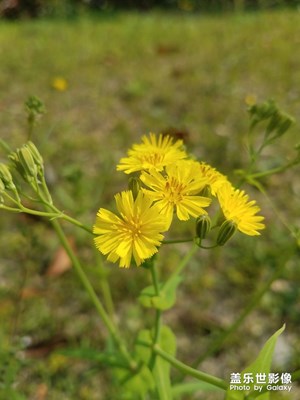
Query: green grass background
{"x": 129, "y": 74}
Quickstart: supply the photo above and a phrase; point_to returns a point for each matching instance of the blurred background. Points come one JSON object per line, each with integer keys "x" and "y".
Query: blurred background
{"x": 109, "y": 72}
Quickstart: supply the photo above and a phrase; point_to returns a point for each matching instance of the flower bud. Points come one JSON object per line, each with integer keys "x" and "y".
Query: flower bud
{"x": 134, "y": 184}
{"x": 2, "y": 186}
{"x": 226, "y": 231}
{"x": 6, "y": 178}
{"x": 203, "y": 225}
{"x": 37, "y": 158}
{"x": 27, "y": 163}
{"x": 287, "y": 121}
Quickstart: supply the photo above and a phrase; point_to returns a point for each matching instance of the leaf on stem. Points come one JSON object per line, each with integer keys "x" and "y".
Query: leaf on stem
{"x": 166, "y": 298}
{"x": 261, "y": 365}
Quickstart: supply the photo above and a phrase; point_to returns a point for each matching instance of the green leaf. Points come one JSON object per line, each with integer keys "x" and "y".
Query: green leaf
{"x": 161, "y": 369}
{"x": 262, "y": 364}
{"x": 143, "y": 353}
{"x": 137, "y": 385}
{"x": 111, "y": 359}
{"x": 167, "y": 296}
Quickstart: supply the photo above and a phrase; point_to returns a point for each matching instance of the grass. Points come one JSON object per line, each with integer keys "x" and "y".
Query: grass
{"x": 127, "y": 75}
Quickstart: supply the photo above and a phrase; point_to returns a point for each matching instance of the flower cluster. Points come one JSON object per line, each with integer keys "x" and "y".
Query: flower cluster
{"x": 167, "y": 183}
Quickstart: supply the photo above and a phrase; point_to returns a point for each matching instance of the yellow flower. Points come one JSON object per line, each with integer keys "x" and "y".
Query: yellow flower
{"x": 59, "y": 84}
{"x": 135, "y": 233}
{"x": 250, "y": 99}
{"x": 214, "y": 178}
{"x": 154, "y": 152}
{"x": 237, "y": 208}
{"x": 177, "y": 189}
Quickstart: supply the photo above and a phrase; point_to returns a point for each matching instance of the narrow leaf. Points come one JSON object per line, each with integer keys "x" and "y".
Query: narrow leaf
{"x": 261, "y": 365}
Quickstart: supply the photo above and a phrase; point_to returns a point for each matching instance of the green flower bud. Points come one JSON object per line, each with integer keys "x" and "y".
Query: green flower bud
{"x": 2, "y": 186}
{"x": 226, "y": 231}
{"x": 27, "y": 163}
{"x": 6, "y": 178}
{"x": 274, "y": 122}
{"x": 285, "y": 124}
{"x": 38, "y": 159}
{"x": 134, "y": 184}
{"x": 34, "y": 106}
{"x": 203, "y": 225}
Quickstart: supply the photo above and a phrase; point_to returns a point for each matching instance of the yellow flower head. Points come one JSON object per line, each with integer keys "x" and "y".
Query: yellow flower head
{"x": 214, "y": 178}
{"x": 59, "y": 84}
{"x": 236, "y": 207}
{"x": 135, "y": 233}
{"x": 154, "y": 152}
{"x": 177, "y": 189}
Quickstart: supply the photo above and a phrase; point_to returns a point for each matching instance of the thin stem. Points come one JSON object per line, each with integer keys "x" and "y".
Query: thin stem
{"x": 181, "y": 265}
{"x": 93, "y": 296}
{"x": 46, "y": 190}
{"x": 105, "y": 287}
{"x": 26, "y": 210}
{"x": 76, "y": 222}
{"x": 177, "y": 241}
{"x": 158, "y": 313}
{"x": 185, "y": 369}
{"x": 272, "y": 171}
{"x": 7, "y": 208}
{"x": 209, "y": 247}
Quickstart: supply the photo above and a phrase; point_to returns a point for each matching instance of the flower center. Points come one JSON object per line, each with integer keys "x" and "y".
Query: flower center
{"x": 132, "y": 228}
{"x": 173, "y": 190}
{"x": 153, "y": 158}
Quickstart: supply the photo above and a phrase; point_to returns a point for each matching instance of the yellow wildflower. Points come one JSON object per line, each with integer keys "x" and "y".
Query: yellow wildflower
{"x": 59, "y": 84}
{"x": 135, "y": 233}
{"x": 214, "y": 178}
{"x": 237, "y": 208}
{"x": 154, "y": 152}
{"x": 177, "y": 190}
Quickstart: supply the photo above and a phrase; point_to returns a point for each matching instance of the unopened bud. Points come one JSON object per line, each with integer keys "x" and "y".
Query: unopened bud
{"x": 285, "y": 125}
{"x": 2, "y": 186}
{"x": 273, "y": 123}
{"x": 203, "y": 225}
{"x": 226, "y": 231}
{"x": 134, "y": 184}
{"x": 6, "y": 178}
{"x": 27, "y": 163}
{"x": 37, "y": 158}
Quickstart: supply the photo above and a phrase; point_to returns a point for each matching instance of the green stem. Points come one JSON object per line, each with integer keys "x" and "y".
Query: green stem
{"x": 158, "y": 313}
{"x": 76, "y": 222}
{"x": 105, "y": 287}
{"x": 177, "y": 241}
{"x": 185, "y": 369}
{"x": 7, "y": 208}
{"x": 218, "y": 342}
{"x": 93, "y": 296}
{"x": 26, "y": 210}
{"x": 66, "y": 217}
{"x": 272, "y": 171}
{"x": 181, "y": 265}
